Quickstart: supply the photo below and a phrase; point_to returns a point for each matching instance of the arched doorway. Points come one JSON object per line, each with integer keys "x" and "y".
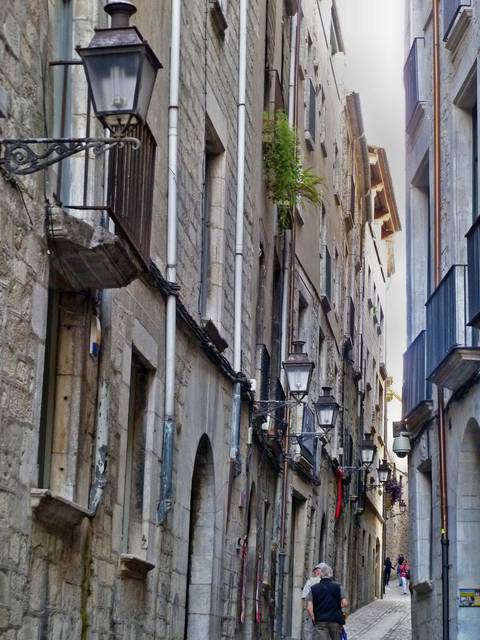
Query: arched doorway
{"x": 198, "y": 606}
{"x": 468, "y": 524}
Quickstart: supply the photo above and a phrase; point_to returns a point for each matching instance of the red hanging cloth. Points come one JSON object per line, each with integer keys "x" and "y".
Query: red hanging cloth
{"x": 340, "y": 475}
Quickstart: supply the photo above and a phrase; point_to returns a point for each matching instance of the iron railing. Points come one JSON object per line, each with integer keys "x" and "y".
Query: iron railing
{"x": 446, "y": 317}
{"x": 473, "y": 259}
{"x": 307, "y": 441}
{"x": 416, "y": 388}
{"x": 411, "y": 80}
{"x": 130, "y": 190}
{"x": 450, "y": 10}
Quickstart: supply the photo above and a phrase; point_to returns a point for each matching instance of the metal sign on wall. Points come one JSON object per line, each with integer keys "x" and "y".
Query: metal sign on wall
{"x": 469, "y": 597}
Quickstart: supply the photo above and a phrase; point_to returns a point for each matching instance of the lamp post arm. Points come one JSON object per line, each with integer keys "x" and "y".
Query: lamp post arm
{"x": 19, "y": 156}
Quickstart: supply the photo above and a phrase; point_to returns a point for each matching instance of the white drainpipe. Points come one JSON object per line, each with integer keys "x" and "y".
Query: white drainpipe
{"x": 237, "y": 322}
{"x": 166, "y": 498}
{"x": 288, "y": 233}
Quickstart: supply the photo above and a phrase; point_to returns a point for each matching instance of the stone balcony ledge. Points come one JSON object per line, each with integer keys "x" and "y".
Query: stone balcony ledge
{"x": 55, "y": 511}
{"x": 132, "y": 566}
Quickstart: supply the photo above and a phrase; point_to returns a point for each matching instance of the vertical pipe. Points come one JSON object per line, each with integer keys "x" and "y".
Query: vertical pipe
{"x": 166, "y": 498}
{"x": 287, "y": 309}
{"x": 237, "y": 321}
{"x": 438, "y": 276}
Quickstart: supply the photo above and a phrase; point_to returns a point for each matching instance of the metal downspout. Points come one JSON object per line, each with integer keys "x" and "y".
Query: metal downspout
{"x": 103, "y": 407}
{"x": 287, "y": 308}
{"x": 166, "y": 497}
{"x": 438, "y": 276}
{"x": 238, "y": 298}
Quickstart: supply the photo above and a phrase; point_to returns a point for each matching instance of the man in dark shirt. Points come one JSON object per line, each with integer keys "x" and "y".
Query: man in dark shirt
{"x": 324, "y": 605}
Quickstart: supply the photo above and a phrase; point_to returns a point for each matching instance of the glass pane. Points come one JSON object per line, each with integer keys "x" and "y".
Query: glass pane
{"x": 113, "y": 80}
{"x": 146, "y": 87}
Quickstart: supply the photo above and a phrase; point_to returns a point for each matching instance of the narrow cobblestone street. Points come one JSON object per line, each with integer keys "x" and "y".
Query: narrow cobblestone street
{"x": 387, "y": 619}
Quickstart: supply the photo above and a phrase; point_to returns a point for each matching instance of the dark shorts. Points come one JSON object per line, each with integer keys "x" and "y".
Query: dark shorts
{"x": 327, "y": 631}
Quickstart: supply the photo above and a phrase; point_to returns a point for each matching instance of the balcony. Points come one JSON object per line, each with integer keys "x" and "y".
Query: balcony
{"x": 413, "y": 87}
{"x": 453, "y": 29}
{"x": 473, "y": 259}
{"x": 452, "y": 355}
{"x": 99, "y": 237}
{"x": 417, "y": 391}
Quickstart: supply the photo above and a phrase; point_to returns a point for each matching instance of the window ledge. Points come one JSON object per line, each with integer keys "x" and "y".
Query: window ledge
{"x": 53, "y": 510}
{"x": 309, "y": 140}
{"x": 458, "y": 30}
{"x": 132, "y": 566}
{"x": 218, "y": 16}
{"x": 325, "y": 303}
{"x": 214, "y": 334}
{"x": 423, "y": 587}
{"x": 291, "y": 7}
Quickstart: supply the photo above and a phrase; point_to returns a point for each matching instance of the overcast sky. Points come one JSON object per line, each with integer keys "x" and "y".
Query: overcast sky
{"x": 373, "y": 35}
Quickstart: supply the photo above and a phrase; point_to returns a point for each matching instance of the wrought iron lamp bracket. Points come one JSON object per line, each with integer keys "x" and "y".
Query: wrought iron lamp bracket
{"x": 270, "y": 407}
{"x": 374, "y": 486}
{"x": 19, "y": 156}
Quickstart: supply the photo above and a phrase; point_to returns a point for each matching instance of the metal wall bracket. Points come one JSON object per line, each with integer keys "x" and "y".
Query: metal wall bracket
{"x": 19, "y": 156}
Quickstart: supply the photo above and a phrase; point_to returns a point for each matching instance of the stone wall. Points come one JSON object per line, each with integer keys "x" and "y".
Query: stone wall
{"x": 81, "y": 458}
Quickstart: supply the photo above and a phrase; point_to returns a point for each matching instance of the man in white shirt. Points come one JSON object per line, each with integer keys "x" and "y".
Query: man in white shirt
{"x": 307, "y": 622}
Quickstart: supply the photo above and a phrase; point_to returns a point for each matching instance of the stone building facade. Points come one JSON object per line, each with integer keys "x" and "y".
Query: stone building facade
{"x": 448, "y": 364}
{"x": 95, "y": 543}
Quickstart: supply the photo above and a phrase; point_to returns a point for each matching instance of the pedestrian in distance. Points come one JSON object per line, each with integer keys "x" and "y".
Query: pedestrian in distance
{"x": 400, "y": 559}
{"x": 404, "y": 575}
{"x": 387, "y": 570}
{"x": 326, "y": 603}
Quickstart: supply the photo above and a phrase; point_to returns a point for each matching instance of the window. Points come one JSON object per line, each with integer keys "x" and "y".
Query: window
{"x": 336, "y": 40}
{"x": 276, "y": 325}
{"x": 310, "y": 114}
{"x": 62, "y": 89}
{"x": 303, "y": 321}
{"x": 336, "y": 173}
{"x": 423, "y": 523}
{"x": 337, "y": 280}
{"x": 68, "y": 418}
{"x": 474, "y": 120}
{"x": 465, "y": 178}
{"x": 219, "y": 15}
{"x": 213, "y": 231}
{"x": 421, "y": 247}
{"x": 133, "y": 502}
{"x": 328, "y": 275}
{"x": 322, "y": 124}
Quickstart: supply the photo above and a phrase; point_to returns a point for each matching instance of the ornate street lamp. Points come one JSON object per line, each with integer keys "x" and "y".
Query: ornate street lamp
{"x": 367, "y": 450}
{"x": 121, "y": 69}
{"x": 384, "y": 471}
{"x": 326, "y": 410}
{"x": 298, "y": 369}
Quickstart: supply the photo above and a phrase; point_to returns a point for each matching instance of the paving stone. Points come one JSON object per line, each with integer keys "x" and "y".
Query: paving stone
{"x": 386, "y": 619}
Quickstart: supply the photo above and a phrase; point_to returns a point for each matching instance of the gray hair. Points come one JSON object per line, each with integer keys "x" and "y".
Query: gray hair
{"x": 325, "y": 570}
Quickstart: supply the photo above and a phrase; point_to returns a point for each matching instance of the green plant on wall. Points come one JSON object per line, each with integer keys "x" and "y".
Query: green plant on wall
{"x": 287, "y": 181}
